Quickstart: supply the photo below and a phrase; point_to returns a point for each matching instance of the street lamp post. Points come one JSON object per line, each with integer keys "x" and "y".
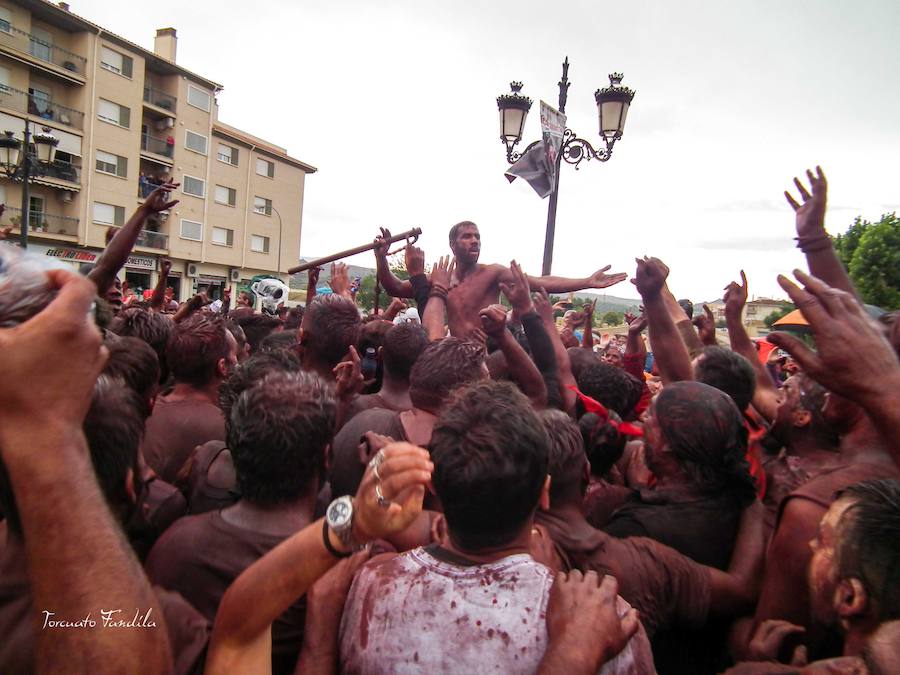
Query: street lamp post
{"x": 28, "y": 165}
{"x": 612, "y": 108}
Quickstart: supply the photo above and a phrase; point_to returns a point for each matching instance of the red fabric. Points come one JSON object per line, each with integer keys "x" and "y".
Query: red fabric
{"x": 756, "y": 429}
{"x": 765, "y": 348}
{"x": 590, "y": 405}
{"x": 634, "y": 365}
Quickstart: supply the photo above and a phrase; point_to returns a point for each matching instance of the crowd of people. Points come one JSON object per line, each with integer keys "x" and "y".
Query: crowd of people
{"x": 195, "y": 487}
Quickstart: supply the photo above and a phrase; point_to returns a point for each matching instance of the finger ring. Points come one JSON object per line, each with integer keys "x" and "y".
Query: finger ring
{"x": 377, "y": 459}
{"x": 375, "y": 472}
{"x": 382, "y": 502}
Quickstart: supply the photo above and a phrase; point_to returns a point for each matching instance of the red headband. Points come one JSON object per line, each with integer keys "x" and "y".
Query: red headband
{"x": 593, "y": 406}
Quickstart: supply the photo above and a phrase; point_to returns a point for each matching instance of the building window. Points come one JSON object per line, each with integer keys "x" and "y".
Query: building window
{"x": 262, "y": 206}
{"x": 116, "y": 62}
{"x": 193, "y": 186}
{"x": 226, "y": 195}
{"x": 227, "y": 154}
{"x": 259, "y": 244}
{"x": 198, "y": 98}
{"x": 265, "y": 168}
{"x": 191, "y": 230}
{"x": 222, "y": 236}
{"x": 195, "y": 142}
{"x": 5, "y": 20}
{"x": 113, "y": 164}
{"x": 107, "y": 214}
{"x": 113, "y": 113}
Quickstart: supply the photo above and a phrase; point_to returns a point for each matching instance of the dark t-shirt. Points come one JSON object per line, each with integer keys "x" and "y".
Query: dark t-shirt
{"x": 200, "y": 556}
{"x": 702, "y": 528}
{"x": 207, "y": 492}
{"x": 347, "y": 467}
{"x": 177, "y": 427}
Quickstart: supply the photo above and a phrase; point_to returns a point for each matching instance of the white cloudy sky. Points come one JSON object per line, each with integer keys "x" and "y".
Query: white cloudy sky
{"x": 394, "y": 102}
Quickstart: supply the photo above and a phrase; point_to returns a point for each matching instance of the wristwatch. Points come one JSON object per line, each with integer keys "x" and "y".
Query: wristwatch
{"x": 339, "y": 519}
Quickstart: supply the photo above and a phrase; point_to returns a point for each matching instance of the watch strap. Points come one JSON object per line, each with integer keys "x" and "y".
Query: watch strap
{"x": 329, "y": 546}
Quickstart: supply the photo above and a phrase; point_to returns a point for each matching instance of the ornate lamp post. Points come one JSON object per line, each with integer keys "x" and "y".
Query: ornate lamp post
{"x": 22, "y": 166}
{"x": 612, "y": 108}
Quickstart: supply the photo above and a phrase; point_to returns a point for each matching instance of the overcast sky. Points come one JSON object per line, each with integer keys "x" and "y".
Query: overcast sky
{"x": 394, "y": 102}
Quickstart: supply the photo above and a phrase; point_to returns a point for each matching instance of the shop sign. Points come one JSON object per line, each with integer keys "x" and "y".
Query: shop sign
{"x": 141, "y": 262}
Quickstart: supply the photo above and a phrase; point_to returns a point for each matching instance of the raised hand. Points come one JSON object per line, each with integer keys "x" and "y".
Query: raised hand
{"x": 542, "y": 305}
{"x": 383, "y": 247}
{"x": 159, "y": 198}
{"x": 706, "y": 326}
{"x": 588, "y": 312}
{"x": 736, "y": 295}
{"x": 340, "y": 280}
{"x": 402, "y": 474}
{"x": 600, "y": 279}
{"x": 165, "y": 266}
{"x": 636, "y": 324}
{"x": 493, "y": 320}
{"x": 442, "y": 272}
{"x": 415, "y": 260}
{"x": 811, "y": 213}
{"x": 584, "y": 629}
{"x": 517, "y": 290}
{"x": 650, "y": 276}
{"x": 348, "y": 375}
{"x": 853, "y": 357}
{"x": 313, "y": 276}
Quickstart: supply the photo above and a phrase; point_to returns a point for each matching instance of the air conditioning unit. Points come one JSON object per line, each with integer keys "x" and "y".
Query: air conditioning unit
{"x": 65, "y": 196}
{"x": 234, "y": 274}
{"x": 193, "y": 270}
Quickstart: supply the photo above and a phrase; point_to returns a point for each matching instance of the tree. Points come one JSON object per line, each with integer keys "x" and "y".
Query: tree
{"x": 871, "y": 254}
{"x": 613, "y": 319}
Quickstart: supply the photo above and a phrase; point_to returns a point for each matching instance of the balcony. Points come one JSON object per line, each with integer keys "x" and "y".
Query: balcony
{"x": 34, "y": 51}
{"x": 151, "y": 239}
{"x": 59, "y": 170}
{"x": 157, "y": 99}
{"x": 157, "y": 146}
{"x": 41, "y": 107}
{"x": 41, "y": 222}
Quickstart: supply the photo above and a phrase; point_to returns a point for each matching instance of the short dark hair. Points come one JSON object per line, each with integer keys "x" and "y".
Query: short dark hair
{"x": 330, "y": 327}
{"x": 195, "y": 347}
{"x": 454, "y": 231}
{"x": 705, "y": 432}
{"x": 580, "y": 358}
{"x": 727, "y": 371}
{"x": 403, "y": 344}
{"x": 277, "y": 434}
{"x": 566, "y": 456}
{"x": 812, "y": 399}
{"x": 284, "y": 340}
{"x": 688, "y": 307}
{"x": 868, "y": 546}
{"x": 256, "y": 327}
{"x": 611, "y": 386}
{"x": 135, "y": 363}
{"x": 251, "y": 371}
{"x": 490, "y": 457}
{"x": 443, "y": 366}
{"x": 153, "y": 328}
{"x": 293, "y": 318}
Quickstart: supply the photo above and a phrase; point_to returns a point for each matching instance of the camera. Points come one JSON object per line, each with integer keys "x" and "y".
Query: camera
{"x": 271, "y": 292}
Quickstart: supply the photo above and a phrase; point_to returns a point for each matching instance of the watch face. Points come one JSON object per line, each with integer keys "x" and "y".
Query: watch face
{"x": 338, "y": 513}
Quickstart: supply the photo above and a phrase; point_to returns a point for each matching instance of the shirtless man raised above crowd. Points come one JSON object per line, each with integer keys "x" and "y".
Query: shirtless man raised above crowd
{"x": 474, "y": 286}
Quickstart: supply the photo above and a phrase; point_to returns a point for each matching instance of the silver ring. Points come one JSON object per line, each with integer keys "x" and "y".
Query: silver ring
{"x": 377, "y": 459}
{"x": 382, "y": 502}
{"x": 375, "y": 472}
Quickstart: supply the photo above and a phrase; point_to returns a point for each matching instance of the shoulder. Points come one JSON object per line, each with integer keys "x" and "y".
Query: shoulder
{"x": 180, "y": 539}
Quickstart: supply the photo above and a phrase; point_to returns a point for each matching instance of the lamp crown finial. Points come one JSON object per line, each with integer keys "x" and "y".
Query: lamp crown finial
{"x": 615, "y": 79}
{"x": 516, "y": 86}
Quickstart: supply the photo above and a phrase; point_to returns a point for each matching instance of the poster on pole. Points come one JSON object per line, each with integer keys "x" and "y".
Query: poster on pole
{"x": 553, "y": 126}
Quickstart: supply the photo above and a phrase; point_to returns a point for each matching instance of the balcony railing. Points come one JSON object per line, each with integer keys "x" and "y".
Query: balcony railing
{"x": 156, "y": 145}
{"x": 152, "y": 239}
{"x": 159, "y": 99}
{"x": 41, "y": 221}
{"x": 41, "y": 107}
{"x": 19, "y": 40}
{"x": 59, "y": 169}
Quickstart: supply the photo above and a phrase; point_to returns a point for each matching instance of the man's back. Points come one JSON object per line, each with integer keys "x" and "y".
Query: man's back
{"x": 177, "y": 427}
{"x": 428, "y": 611}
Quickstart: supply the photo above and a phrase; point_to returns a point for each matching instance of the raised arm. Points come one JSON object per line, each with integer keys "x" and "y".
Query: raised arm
{"x": 521, "y": 367}
{"x": 854, "y": 358}
{"x": 812, "y": 238}
{"x": 669, "y": 350}
{"x": 312, "y": 280}
{"x": 551, "y": 284}
{"x": 391, "y": 284}
{"x": 158, "y": 299}
{"x": 765, "y": 393}
{"x": 120, "y": 246}
{"x": 563, "y": 362}
{"x": 75, "y": 571}
{"x": 433, "y": 316}
{"x": 587, "y": 337}
{"x": 241, "y": 640}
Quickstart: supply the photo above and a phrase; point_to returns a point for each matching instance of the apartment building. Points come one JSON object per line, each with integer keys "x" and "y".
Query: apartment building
{"x": 126, "y": 117}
